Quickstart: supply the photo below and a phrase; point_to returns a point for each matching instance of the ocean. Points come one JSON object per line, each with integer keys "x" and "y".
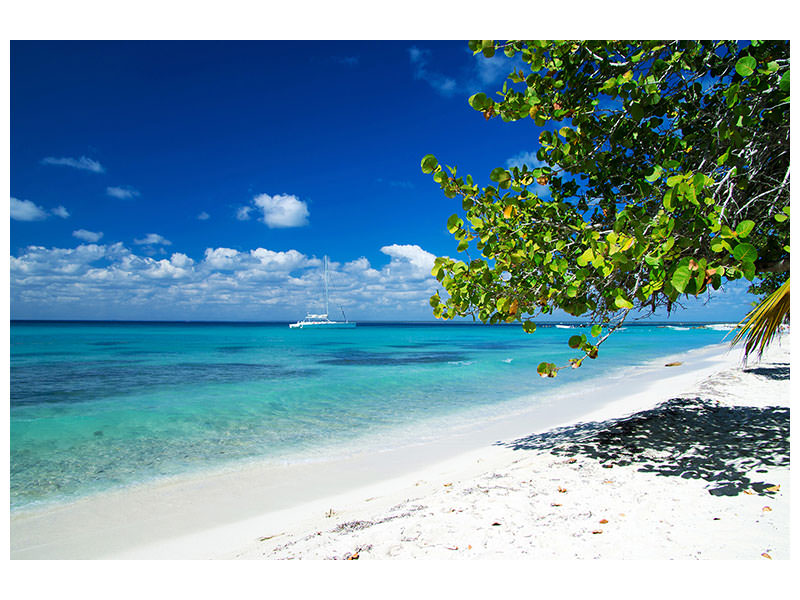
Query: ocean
{"x": 101, "y": 405}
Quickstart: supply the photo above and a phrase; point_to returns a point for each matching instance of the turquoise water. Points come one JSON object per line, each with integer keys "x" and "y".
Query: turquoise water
{"x": 96, "y": 406}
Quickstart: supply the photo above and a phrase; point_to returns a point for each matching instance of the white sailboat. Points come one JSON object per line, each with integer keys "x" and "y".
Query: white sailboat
{"x": 322, "y": 321}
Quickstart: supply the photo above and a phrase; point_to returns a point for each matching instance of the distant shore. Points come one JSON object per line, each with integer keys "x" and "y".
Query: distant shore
{"x": 574, "y": 489}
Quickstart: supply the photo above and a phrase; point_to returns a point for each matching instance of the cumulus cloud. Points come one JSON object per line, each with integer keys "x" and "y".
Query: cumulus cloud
{"x": 221, "y": 259}
{"x": 243, "y": 213}
{"x": 111, "y": 281}
{"x": 25, "y": 210}
{"x": 123, "y": 193}
{"x": 87, "y": 236}
{"x": 281, "y": 210}
{"x": 83, "y": 163}
{"x": 153, "y": 239}
{"x": 203, "y": 216}
{"x": 411, "y": 259}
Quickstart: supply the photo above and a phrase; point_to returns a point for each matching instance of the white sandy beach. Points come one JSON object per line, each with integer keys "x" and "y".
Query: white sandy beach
{"x": 703, "y": 476}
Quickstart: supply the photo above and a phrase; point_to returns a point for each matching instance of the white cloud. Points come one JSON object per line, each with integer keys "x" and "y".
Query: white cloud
{"x": 152, "y": 239}
{"x": 83, "y": 163}
{"x": 110, "y": 281}
{"x": 123, "y": 193}
{"x": 60, "y": 211}
{"x": 221, "y": 258}
{"x": 87, "y": 236}
{"x": 181, "y": 260}
{"x": 243, "y": 213}
{"x": 420, "y": 59}
{"x": 203, "y": 216}
{"x": 279, "y": 261}
{"x": 282, "y": 210}
{"x": 25, "y": 210}
{"x": 474, "y": 76}
{"x": 38, "y": 260}
{"x": 411, "y": 258}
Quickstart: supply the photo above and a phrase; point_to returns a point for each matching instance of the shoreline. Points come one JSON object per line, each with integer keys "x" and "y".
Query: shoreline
{"x": 216, "y": 515}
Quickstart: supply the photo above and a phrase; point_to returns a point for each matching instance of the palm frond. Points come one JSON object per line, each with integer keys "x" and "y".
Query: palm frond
{"x": 761, "y": 324}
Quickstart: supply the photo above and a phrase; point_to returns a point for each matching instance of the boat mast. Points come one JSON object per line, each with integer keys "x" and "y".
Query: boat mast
{"x": 325, "y": 280}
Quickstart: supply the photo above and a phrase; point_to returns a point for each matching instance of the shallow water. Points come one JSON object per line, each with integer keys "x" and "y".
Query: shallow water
{"x": 100, "y": 405}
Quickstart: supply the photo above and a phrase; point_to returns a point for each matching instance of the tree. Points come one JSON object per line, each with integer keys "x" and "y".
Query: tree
{"x": 666, "y": 168}
{"x": 762, "y": 323}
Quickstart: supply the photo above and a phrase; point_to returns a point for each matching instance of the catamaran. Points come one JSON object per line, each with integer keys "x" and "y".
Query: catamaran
{"x": 322, "y": 321}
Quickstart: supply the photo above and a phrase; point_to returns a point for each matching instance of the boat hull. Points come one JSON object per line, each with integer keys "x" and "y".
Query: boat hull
{"x": 331, "y": 325}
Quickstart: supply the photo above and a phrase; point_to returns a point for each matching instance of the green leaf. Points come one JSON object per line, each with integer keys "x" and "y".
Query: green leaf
{"x": 784, "y": 84}
{"x": 454, "y": 223}
{"x": 585, "y": 258}
{"x": 543, "y": 369}
{"x": 699, "y": 182}
{"x": 478, "y": 101}
{"x": 655, "y": 174}
{"x": 668, "y": 197}
{"x": 720, "y": 245}
{"x": 732, "y": 95}
{"x": 745, "y": 66}
{"x": 546, "y": 369}
{"x": 574, "y": 341}
{"x": 744, "y": 228}
{"x": 674, "y": 180}
{"x": 681, "y": 277}
{"x": 499, "y": 175}
{"x": 622, "y": 302}
{"x": 637, "y": 112}
{"x": 780, "y": 218}
{"x": 597, "y": 330}
{"x": 429, "y": 163}
{"x": 749, "y": 270}
{"x": 529, "y": 326}
{"x": 462, "y": 245}
{"x": 745, "y": 253}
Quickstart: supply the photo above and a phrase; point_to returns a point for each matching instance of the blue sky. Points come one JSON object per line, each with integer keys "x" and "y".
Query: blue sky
{"x": 206, "y": 180}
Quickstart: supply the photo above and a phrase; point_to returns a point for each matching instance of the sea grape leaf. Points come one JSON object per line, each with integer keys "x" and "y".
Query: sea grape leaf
{"x": 744, "y": 228}
{"x": 429, "y": 163}
{"x": 746, "y": 66}
{"x": 681, "y": 277}
{"x": 745, "y": 253}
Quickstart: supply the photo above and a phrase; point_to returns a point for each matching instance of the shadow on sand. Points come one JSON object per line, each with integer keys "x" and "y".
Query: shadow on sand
{"x": 684, "y": 437}
{"x": 778, "y": 371}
